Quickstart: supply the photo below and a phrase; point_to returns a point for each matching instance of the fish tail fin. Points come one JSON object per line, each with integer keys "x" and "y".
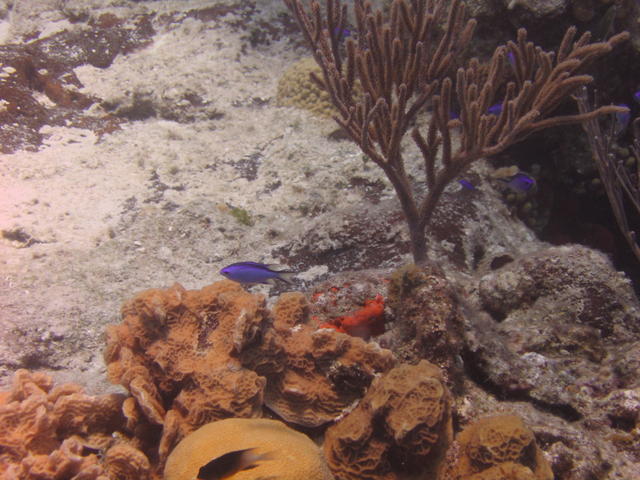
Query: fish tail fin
{"x": 276, "y": 267}
{"x": 286, "y": 276}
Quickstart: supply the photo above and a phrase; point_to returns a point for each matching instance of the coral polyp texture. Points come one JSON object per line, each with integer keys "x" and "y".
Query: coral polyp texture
{"x": 401, "y": 426}
{"x": 427, "y": 323}
{"x": 288, "y": 454}
{"x": 176, "y": 353}
{"x": 296, "y": 89}
{"x": 51, "y": 433}
{"x": 497, "y": 448}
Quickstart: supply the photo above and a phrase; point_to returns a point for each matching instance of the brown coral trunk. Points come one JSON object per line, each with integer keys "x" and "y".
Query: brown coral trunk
{"x": 418, "y": 242}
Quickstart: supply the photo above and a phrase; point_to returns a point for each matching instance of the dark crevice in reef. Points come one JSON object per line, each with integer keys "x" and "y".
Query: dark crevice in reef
{"x": 474, "y": 367}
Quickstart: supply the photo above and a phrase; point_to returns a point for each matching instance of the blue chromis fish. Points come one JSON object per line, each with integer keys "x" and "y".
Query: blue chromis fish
{"x": 253, "y": 272}
{"x": 227, "y": 465}
{"x": 520, "y": 182}
{"x": 622, "y": 119}
{"x": 466, "y": 184}
{"x": 495, "y": 109}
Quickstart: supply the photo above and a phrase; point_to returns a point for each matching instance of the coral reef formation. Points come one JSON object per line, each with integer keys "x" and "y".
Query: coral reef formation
{"x": 497, "y": 448}
{"x": 403, "y": 424}
{"x": 296, "y": 89}
{"x": 312, "y": 375}
{"x": 192, "y": 357}
{"x": 545, "y": 305}
{"x": 559, "y": 328}
{"x": 52, "y": 433}
{"x": 290, "y": 455}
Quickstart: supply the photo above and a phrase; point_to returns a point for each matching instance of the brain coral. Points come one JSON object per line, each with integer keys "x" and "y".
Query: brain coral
{"x": 401, "y": 426}
{"x": 291, "y": 455}
{"x": 296, "y": 89}
{"x": 49, "y": 432}
{"x": 176, "y": 352}
{"x": 499, "y": 447}
{"x": 313, "y": 375}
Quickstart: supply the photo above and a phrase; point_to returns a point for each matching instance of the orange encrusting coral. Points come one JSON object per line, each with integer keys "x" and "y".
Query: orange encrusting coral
{"x": 365, "y": 322}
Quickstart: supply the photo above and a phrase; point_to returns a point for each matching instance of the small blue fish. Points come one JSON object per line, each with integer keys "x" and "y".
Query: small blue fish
{"x": 511, "y": 58}
{"x": 253, "y": 272}
{"x": 636, "y": 96}
{"x": 342, "y": 33}
{"x": 622, "y": 120}
{"x": 466, "y": 184}
{"x": 520, "y": 182}
{"x": 495, "y": 109}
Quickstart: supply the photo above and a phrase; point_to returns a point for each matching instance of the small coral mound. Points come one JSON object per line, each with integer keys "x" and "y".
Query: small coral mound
{"x": 427, "y": 323}
{"x": 296, "y": 89}
{"x": 289, "y": 455}
{"x": 49, "y": 433}
{"x": 497, "y": 448}
{"x": 401, "y": 426}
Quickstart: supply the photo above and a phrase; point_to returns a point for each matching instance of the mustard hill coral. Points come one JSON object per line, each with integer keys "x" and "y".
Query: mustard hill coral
{"x": 497, "y": 448}
{"x": 49, "y": 433}
{"x": 296, "y": 89}
{"x": 291, "y": 455}
{"x": 401, "y": 426}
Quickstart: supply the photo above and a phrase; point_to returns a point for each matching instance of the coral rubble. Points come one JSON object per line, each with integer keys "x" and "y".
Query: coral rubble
{"x": 403, "y": 424}
{"x": 290, "y": 455}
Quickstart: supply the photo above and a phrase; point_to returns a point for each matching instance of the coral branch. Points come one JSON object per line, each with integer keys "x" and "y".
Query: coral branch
{"x": 411, "y": 59}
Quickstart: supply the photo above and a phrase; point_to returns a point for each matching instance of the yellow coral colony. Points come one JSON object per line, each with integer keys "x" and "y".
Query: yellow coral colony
{"x": 296, "y": 89}
{"x": 292, "y": 455}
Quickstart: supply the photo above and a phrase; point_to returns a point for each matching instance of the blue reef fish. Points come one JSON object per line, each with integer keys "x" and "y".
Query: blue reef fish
{"x": 227, "y": 465}
{"x": 520, "y": 182}
{"x": 342, "y": 33}
{"x": 466, "y": 184}
{"x": 622, "y": 120}
{"x": 253, "y": 272}
{"x": 495, "y": 109}
{"x": 636, "y": 96}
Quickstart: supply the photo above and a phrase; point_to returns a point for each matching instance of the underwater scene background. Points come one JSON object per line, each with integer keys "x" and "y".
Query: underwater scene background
{"x": 441, "y": 210}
